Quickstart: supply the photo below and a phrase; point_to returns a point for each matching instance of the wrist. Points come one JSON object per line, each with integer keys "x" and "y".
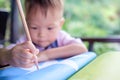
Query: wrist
{"x": 4, "y": 57}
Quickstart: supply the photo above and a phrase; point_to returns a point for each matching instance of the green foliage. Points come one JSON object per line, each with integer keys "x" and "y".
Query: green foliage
{"x": 77, "y": 29}
{"x": 101, "y": 48}
{"x": 93, "y": 18}
{"x": 100, "y": 14}
{"x": 5, "y": 4}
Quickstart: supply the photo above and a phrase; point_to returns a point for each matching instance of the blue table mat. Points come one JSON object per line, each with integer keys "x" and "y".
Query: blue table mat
{"x": 61, "y": 70}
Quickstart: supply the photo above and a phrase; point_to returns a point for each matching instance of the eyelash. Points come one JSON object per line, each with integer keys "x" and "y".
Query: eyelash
{"x": 33, "y": 27}
{"x": 50, "y": 28}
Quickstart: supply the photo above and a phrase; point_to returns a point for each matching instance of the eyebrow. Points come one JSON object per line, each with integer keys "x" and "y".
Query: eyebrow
{"x": 33, "y": 24}
{"x": 51, "y": 24}
{"x": 55, "y": 23}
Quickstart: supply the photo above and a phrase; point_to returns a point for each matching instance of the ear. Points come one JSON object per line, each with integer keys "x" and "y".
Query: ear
{"x": 62, "y": 21}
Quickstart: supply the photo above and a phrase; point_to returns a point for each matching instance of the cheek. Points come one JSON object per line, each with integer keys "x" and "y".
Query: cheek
{"x": 53, "y": 37}
{"x": 33, "y": 35}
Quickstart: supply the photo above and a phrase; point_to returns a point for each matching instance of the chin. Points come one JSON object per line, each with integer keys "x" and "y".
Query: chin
{"x": 43, "y": 46}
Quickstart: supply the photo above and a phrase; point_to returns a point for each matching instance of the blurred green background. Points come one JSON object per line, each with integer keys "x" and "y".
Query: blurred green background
{"x": 90, "y": 18}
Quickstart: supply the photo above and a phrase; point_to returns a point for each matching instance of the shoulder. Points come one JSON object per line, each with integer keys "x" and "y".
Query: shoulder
{"x": 63, "y": 34}
{"x": 64, "y": 39}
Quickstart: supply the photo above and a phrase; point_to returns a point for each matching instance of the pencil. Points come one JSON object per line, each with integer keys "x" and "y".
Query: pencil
{"x": 26, "y": 28}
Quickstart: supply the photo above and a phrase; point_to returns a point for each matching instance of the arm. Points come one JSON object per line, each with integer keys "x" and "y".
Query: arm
{"x": 4, "y": 56}
{"x": 68, "y": 46}
{"x": 62, "y": 52}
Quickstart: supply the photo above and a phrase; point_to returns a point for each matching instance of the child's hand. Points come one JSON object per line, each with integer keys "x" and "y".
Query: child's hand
{"x": 22, "y": 55}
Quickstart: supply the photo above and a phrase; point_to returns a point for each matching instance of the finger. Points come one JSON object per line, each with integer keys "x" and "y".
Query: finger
{"x": 18, "y": 59}
{"x": 36, "y": 51}
{"x": 25, "y": 63}
{"x": 25, "y": 54}
{"x": 28, "y": 66}
{"x": 29, "y": 45}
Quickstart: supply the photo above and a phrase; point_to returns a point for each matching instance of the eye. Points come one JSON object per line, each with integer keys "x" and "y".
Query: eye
{"x": 33, "y": 27}
{"x": 50, "y": 28}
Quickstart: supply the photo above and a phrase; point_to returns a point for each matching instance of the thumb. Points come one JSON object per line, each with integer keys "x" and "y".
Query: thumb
{"x": 36, "y": 51}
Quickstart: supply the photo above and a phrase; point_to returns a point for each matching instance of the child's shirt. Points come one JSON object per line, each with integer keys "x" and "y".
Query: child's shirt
{"x": 62, "y": 40}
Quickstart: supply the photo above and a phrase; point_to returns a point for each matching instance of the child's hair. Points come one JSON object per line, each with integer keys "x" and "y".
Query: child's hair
{"x": 44, "y": 5}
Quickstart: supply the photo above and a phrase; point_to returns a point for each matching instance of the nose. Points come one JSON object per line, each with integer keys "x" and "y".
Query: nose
{"x": 41, "y": 33}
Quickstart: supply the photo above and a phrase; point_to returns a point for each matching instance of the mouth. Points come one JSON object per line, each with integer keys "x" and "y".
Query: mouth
{"x": 41, "y": 41}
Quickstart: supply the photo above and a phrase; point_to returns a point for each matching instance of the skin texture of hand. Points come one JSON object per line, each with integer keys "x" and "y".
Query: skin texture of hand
{"x": 22, "y": 55}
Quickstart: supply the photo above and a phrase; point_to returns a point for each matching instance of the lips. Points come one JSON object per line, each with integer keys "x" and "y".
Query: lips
{"x": 40, "y": 41}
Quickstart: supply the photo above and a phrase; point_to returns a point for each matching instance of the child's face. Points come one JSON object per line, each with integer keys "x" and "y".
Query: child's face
{"x": 44, "y": 29}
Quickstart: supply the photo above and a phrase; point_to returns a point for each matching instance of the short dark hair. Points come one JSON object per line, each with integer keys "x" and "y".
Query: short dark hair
{"x": 44, "y": 5}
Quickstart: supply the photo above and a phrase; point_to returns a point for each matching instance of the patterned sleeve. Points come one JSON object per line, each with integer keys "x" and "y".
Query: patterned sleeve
{"x": 65, "y": 39}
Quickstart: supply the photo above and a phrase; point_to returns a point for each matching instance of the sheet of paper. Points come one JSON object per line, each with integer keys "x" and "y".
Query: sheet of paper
{"x": 52, "y": 62}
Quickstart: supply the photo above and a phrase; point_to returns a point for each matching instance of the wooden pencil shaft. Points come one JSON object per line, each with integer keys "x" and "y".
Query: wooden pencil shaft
{"x": 23, "y": 20}
{"x": 26, "y": 28}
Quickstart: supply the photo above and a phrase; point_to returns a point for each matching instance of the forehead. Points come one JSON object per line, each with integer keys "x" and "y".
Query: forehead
{"x": 36, "y": 17}
{"x": 51, "y": 13}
